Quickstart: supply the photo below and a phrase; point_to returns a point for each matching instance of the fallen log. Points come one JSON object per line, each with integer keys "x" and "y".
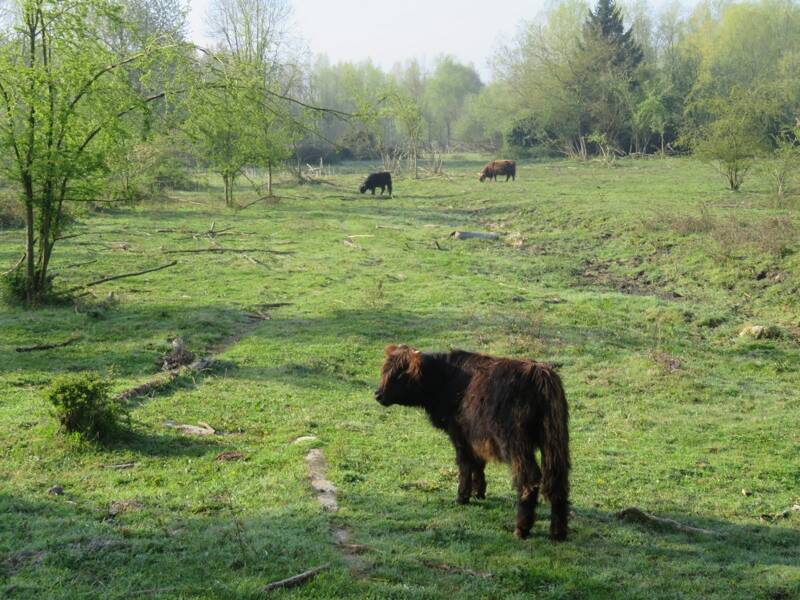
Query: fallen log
{"x": 296, "y": 580}
{"x": 634, "y": 514}
{"x": 480, "y": 235}
{"x": 71, "y": 340}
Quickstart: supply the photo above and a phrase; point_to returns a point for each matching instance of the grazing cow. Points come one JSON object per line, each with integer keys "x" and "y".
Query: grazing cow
{"x": 498, "y": 168}
{"x": 377, "y": 180}
{"x": 493, "y": 409}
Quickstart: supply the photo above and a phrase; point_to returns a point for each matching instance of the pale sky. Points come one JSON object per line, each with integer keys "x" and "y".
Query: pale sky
{"x": 391, "y": 32}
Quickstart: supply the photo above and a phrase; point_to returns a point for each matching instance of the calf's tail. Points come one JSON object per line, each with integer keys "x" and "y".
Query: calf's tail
{"x": 555, "y": 436}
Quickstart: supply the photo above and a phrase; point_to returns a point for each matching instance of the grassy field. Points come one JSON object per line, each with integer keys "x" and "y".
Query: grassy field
{"x": 636, "y": 279}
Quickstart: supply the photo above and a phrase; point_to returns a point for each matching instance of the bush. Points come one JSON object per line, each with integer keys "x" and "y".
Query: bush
{"x": 83, "y": 405}
{"x": 13, "y": 290}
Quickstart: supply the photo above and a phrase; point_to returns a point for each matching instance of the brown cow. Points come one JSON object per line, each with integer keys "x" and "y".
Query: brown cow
{"x": 498, "y": 168}
{"x": 493, "y": 409}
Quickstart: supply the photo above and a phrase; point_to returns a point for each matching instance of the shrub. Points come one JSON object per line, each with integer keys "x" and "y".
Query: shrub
{"x": 82, "y": 405}
{"x": 13, "y": 287}
{"x": 13, "y": 290}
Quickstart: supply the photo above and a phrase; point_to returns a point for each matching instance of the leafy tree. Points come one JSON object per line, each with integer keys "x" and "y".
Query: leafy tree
{"x": 445, "y": 94}
{"x": 651, "y": 116}
{"x": 246, "y": 115}
{"x": 732, "y": 134}
{"x": 66, "y": 96}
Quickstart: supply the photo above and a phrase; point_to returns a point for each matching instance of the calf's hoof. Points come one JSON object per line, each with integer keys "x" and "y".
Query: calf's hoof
{"x": 462, "y": 500}
{"x": 521, "y": 533}
{"x": 558, "y": 535}
{"x": 480, "y": 495}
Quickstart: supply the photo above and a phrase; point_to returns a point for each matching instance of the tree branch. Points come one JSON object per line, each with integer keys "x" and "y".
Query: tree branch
{"x": 113, "y": 277}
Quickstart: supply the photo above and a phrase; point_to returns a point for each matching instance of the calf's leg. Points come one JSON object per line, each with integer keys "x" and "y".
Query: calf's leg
{"x": 527, "y": 478}
{"x": 479, "y": 480}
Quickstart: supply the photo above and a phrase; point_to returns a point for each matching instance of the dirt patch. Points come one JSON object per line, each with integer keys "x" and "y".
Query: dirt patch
{"x": 601, "y": 273}
{"x": 326, "y": 496}
{"x": 326, "y": 491}
{"x": 668, "y": 363}
{"x": 21, "y": 560}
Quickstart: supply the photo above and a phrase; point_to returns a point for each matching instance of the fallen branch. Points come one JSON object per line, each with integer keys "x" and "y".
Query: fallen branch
{"x": 124, "y": 275}
{"x": 297, "y": 579}
{"x": 255, "y": 261}
{"x": 164, "y": 379}
{"x": 83, "y": 264}
{"x": 71, "y": 340}
{"x": 221, "y": 250}
{"x": 128, "y": 465}
{"x": 16, "y": 266}
{"x": 154, "y": 384}
{"x": 481, "y": 235}
{"x": 262, "y": 199}
{"x": 635, "y": 514}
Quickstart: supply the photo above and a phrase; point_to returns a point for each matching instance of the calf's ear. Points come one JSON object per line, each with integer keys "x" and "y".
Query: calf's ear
{"x": 390, "y": 349}
{"x": 415, "y": 363}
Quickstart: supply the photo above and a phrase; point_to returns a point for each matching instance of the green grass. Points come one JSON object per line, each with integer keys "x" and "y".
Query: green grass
{"x": 618, "y": 274}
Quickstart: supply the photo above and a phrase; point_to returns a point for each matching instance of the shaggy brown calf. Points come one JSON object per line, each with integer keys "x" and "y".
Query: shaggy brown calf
{"x": 377, "y": 180}
{"x": 498, "y": 168}
{"x": 493, "y": 409}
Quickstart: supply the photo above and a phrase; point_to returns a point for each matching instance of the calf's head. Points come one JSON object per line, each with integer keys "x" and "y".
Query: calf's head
{"x": 362, "y": 188}
{"x": 401, "y": 377}
{"x": 481, "y": 176}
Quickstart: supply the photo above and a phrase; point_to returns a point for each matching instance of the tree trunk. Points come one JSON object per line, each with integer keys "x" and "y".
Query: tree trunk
{"x": 30, "y": 292}
{"x": 269, "y": 177}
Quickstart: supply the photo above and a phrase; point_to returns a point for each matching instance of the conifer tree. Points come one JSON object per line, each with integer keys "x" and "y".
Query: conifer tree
{"x": 604, "y": 24}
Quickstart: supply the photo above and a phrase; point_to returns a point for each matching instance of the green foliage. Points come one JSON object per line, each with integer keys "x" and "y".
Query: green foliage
{"x": 731, "y": 134}
{"x": 82, "y": 405}
{"x": 445, "y": 94}
{"x": 13, "y": 288}
{"x": 68, "y": 94}
{"x": 784, "y": 167}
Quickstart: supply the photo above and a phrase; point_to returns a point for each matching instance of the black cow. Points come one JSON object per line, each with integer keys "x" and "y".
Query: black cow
{"x": 381, "y": 180}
